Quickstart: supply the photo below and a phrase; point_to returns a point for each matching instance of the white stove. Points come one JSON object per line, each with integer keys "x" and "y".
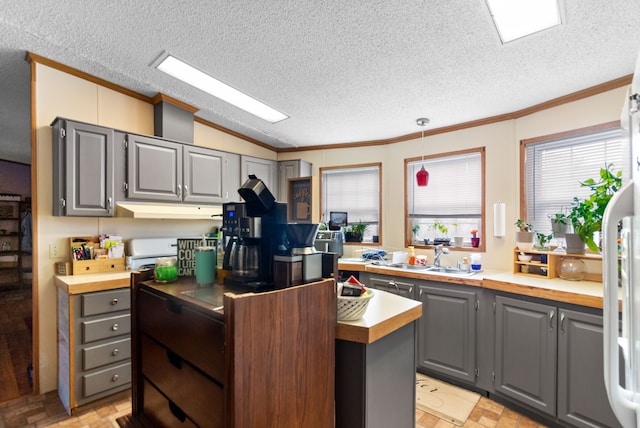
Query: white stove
{"x": 144, "y": 251}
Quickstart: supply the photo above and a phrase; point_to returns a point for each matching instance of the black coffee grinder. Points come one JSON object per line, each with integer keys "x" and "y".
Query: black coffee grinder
{"x": 255, "y": 233}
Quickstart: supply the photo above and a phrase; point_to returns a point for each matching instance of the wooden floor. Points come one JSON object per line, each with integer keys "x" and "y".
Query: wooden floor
{"x": 15, "y": 343}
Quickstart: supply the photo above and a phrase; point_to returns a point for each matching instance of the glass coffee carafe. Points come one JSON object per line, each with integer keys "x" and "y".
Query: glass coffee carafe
{"x": 245, "y": 259}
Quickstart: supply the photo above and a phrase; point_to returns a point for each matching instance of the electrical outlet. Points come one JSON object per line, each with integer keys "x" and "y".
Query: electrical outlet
{"x": 53, "y": 251}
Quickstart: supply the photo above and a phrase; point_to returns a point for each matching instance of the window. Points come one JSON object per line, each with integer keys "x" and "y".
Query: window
{"x": 452, "y": 202}
{"x": 554, "y": 167}
{"x": 353, "y": 189}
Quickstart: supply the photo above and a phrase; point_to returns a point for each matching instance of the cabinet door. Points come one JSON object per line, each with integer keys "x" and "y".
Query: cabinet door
{"x": 526, "y": 353}
{"x": 391, "y": 285}
{"x": 88, "y": 171}
{"x": 447, "y": 331}
{"x": 154, "y": 169}
{"x": 290, "y": 169}
{"x": 582, "y": 398}
{"x": 265, "y": 169}
{"x": 231, "y": 174}
{"x": 203, "y": 175}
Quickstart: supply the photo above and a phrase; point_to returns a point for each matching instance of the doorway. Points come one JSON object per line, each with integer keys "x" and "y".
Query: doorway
{"x": 16, "y": 305}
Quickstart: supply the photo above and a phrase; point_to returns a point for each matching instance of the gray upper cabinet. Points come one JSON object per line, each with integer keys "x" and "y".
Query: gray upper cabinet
{"x": 290, "y": 169}
{"x": 231, "y": 182}
{"x": 154, "y": 169}
{"x": 526, "y": 340}
{"x": 447, "y": 330}
{"x": 159, "y": 170}
{"x": 83, "y": 169}
{"x": 264, "y": 169}
{"x": 582, "y": 398}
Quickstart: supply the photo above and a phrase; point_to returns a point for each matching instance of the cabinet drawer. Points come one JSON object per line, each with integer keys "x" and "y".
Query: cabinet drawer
{"x": 101, "y": 355}
{"x": 193, "y": 335}
{"x": 104, "y": 380}
{"x": 162, "y": 412}
{"x": 104, "y": 302}
{"x": 198, "y": 396}
{"x": 106, "y": 328}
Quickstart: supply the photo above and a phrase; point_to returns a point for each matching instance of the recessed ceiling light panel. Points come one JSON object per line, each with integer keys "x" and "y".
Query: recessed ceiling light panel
{"x": 201, "y": 80}
{"x": 518, "y": 18}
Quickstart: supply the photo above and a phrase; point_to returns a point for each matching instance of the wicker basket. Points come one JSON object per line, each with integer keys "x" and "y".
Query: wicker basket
{"x": 352, "y": 308}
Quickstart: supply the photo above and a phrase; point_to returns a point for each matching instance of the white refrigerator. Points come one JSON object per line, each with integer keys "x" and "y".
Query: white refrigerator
{"x": 621, "y": 277}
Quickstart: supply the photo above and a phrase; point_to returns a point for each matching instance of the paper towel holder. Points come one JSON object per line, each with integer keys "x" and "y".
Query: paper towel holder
{"x": 499, "y": 228}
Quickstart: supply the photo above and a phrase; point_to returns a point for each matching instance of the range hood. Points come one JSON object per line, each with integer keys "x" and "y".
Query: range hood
{"x": 146, "y": 210}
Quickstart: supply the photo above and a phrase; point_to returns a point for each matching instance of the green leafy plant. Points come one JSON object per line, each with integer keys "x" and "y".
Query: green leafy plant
{"x": 357, "y": 228}
{"x": 523, "y": 226}
{"x": 586, "y": 215}
{"x": 542, "y": 241}
{"x": 560, "y": 218}
{"x": 441, "y": 227}
{"x": 415, "y": 229}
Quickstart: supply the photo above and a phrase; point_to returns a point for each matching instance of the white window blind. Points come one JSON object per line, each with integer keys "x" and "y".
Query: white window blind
{"x": 453, "y": 195}
{"x": 554, "y": 170}
{"x": 355, "y": 190}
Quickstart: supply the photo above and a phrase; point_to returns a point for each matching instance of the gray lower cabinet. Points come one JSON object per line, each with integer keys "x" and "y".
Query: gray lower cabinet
{"x": 401, "y": 287}
{"x": 290, "y": 169}
{"x": 447, "y": 330}
{"x": 83, "y": 169}
{"x": 582, "y": 398}
{"x": 264, "y": 169}
{"x": 526, "y": 338}
{"x": 94, "y": 345}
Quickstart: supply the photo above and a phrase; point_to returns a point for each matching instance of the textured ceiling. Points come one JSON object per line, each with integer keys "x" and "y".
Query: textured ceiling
{"x": 345, "y": 71}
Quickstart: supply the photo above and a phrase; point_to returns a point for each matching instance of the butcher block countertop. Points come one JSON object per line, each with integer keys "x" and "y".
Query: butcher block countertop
{"x": 582, "y": 293}
{"x": 385, "y": 314}
{"x": 78, "y": 284}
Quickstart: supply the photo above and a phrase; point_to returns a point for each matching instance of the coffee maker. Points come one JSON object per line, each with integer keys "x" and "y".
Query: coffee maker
{"x": 254, "y": 233}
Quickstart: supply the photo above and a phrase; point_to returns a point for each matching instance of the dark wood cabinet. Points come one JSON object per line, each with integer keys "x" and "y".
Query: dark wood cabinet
{"x": 221, "y": 361}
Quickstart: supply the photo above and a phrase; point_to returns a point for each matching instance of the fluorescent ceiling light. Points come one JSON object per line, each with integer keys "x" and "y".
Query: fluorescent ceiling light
{"x": 194, "y": 77}
{"x": 519, "y": 18}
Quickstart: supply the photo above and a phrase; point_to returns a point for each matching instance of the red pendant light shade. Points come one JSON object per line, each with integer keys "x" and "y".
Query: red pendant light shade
{"x": 422, "y": 176}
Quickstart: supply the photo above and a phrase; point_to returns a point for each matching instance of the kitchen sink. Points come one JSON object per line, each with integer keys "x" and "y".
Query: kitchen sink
{"x": 450, "y": 271}
{"x": 408, "y": 266}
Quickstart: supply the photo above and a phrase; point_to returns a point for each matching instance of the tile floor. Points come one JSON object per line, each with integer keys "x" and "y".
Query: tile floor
{"x": 46, "y": 411}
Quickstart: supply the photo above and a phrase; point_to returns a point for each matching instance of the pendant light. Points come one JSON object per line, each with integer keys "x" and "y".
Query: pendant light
{"x": 422, "y": 176}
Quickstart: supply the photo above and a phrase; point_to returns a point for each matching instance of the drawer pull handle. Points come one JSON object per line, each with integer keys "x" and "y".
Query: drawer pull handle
{"x": 174, "y": 359}
{"x": 115, "y": 378}
{"x": 115, "y": 327}
{"x": 115, "y": 352}
{"x": 177, "y": 412}
{"x": 114, "y": 302}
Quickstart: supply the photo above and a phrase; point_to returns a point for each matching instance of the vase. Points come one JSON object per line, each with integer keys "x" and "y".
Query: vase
{"x": 524, "y": 240}
{"x": 352, "y": 237}
{"x": 571, "y": 269}
{"x": 575, "y": 245}
{"x": 475, "y": 242}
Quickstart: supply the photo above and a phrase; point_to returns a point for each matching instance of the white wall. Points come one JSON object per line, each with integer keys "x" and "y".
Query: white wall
{"x": 59, "y": 94}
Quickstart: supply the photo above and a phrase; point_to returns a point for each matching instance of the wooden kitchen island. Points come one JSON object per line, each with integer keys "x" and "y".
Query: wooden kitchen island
{"x": 212, "y": 357}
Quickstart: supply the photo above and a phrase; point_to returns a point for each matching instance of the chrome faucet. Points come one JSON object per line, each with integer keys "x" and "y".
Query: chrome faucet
{"x": 439, "y": 251}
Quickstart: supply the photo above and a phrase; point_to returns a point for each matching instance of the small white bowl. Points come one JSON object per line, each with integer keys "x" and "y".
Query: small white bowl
{"x": 524, "y": 257}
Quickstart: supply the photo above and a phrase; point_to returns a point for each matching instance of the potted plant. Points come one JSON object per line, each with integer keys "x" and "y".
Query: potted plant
{"x": 415, "y": 229}
{"x": 441, "y": 233}
{"x": 475, "y": 239}
{"x": 524, "y": 235}
{"x": 542, "y": 241}
{"x": 559, "y": 224}
{"x": 586, "y": 215}
{"x": 355, "y": 232}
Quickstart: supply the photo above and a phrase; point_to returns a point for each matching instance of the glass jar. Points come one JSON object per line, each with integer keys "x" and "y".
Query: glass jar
{"x": 572, "y": 269}
{"x": 166, "y": 269}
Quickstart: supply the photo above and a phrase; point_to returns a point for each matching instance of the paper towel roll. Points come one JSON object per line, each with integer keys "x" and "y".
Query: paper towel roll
{"x": 499, "y": 219}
